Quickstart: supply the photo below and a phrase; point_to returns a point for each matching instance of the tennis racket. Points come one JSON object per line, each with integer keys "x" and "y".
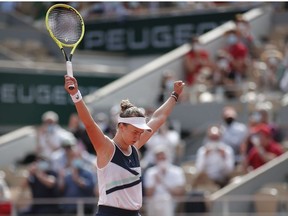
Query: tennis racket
{"x": 66, "y": 27}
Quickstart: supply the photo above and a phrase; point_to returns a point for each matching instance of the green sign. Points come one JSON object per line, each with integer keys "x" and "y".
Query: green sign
{"x": 151, "y": 35}
{"x": 24, "y": 97}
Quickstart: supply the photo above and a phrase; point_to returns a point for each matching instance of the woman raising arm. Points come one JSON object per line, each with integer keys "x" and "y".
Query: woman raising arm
{"x": 119, "y": 171}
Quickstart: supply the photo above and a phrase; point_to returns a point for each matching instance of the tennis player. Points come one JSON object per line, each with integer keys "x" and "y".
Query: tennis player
{"x": 118, "y": 166}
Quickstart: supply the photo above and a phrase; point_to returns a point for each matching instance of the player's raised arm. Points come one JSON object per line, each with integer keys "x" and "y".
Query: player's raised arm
{"x": 162, "y": 113}
{"x": 96, "y": 135}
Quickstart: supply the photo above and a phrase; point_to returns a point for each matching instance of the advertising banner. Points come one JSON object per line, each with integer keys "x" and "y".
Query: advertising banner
{"x": 24, "y": 97}
{"x": 151, "y": 35}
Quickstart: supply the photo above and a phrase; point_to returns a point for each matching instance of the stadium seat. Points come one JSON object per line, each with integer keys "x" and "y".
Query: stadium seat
{"x": 266, "y": 202}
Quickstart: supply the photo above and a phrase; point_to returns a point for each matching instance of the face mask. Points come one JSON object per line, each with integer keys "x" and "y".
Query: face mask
{"x": 242, "y": 27}
{"x": 77, "y": 163}
{"x": 255, "y": 139}
{"x": 223, "y": 64}
{"x": 51, "y": 128}
{"x": 229, "y": 120}
{"x": 169, "y": 84}
{"x": 43, "y": 165}
{"x": 213, "y": 144}
{"x": 272, "y": 61}
{"x": 162, "y": 165}
{"x": 232, "y": 39}
{"x": 197, "y": 47}
{"x": 255, "y": 117}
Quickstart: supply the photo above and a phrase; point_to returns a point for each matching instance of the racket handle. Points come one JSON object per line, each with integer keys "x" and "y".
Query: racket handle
{"x": 70, "y": 72}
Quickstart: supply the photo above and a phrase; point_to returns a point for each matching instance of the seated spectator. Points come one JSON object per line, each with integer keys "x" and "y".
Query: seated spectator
{"x": 265, "y": 118}
{"x": 164, "y": 136}
{"x": 238, "y": 55}
{"x": 234, "y": 132}
{"x": 264, "y": 148}
{"x": 268, "y": 78}
{"x": 163, "y": 183}
{"x": 260, "y": 117}
{"x": 196, "y": 60}
{"x": 5, "y": 196}
{"x": 49, "y": 134}
{"x": 246, "y": 36}
{"x": 42, "y": 181}
{"x": 215, "y": 158}
{"x": 166, "y": 86}
{"x": 76, "y": 127}
{"x": 223, "y": 77}
{"x": 62, "y": 158}
{"x": 76, "y": 181}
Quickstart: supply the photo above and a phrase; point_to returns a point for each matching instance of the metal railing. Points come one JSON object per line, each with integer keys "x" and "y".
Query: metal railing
{"x": 253, "y": 205}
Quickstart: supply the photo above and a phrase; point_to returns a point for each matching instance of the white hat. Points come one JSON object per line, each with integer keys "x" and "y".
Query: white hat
{"x": 160, "y": 149}
{"x": 138, "y": 122}
{"x": 50, "y": 115}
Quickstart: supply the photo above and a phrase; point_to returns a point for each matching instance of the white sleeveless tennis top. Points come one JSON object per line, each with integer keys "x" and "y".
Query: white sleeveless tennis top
{"x": 120, "y": 181}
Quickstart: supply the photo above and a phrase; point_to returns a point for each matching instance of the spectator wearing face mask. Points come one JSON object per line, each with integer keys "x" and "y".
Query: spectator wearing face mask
{"x": 163, "y": 183}
{"x": 264, "y": 148}
{"x": 42, "y": 181}
{"x": 166, "y": 86}
{"x": 76, "y": 181}
{"x": 268, "y": 79}
{"x": 223, "y": 76}
{"x": 246, "y": 36}
{"x": 238, "y": 52}
{"x": 5, "y": 196}
{"x": 215, "y": 159}
{"x": 234, "y": 132}
{"x": 49, "y": 134}
{"x": 197, "y": 59}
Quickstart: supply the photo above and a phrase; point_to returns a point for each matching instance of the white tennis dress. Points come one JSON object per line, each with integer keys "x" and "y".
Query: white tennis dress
{"x": 120, "y": 181}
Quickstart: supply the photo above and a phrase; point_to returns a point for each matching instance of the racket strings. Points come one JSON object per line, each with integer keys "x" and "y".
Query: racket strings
{"x": 65, "y": 25}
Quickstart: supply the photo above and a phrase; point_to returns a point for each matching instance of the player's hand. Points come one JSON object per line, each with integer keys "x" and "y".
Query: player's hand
{"x": 178, "y": 86}
{"x": 71, "y": 81}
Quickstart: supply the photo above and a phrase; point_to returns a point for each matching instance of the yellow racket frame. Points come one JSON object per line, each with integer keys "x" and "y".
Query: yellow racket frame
{"x": 59, "y": 43}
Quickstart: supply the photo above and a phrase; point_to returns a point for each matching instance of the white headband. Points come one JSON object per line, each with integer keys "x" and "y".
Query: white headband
{"x": 138, "y": 122}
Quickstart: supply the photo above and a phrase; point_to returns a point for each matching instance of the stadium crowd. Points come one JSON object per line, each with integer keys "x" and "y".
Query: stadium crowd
{"x": 64, "y": 163}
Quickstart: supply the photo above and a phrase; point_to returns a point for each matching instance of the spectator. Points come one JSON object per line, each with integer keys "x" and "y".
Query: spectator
{"x": 245, "y": 35}
{"x": 195, "y": 61}
{"x": 63, "y": 157}
{"x": 163, "y": 183}
{"x": 257, "y": 118}
{"x": 166, "y": 86}
{"x": 264, "y": 150}
{"x": 268, "y": 78}
{"x": 42, "y": 181}
{"x": 234, "y": 132}
{"x": 5, "y": 196}
{"x": 164, "y": 136}
{"x": 265, "y": 118}
{"x": 104, "y": 123}
{"x": 238, "y": 53}
{"x": 8, "y": 7}
{"x": 49, "y": 134}
{"x": 223, "y": 77}
{"x": 215, "y": 159}
{"x": 253, "y": 121}
{"x": 76, "y": 127}
{"x": 283, "y": 69}
{"x": 76, "y": 181}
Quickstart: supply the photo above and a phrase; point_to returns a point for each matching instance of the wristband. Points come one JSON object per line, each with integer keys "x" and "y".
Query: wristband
{"x": 76, "y": 97}
{"x": 175, "y": 96}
